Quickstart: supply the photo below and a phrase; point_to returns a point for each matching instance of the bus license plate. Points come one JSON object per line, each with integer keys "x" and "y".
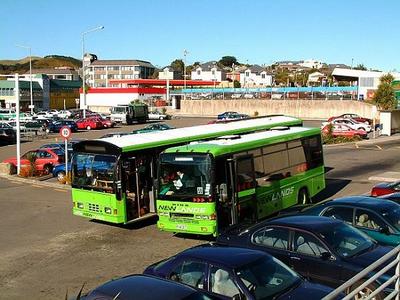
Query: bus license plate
{"x": 181, "y": 226}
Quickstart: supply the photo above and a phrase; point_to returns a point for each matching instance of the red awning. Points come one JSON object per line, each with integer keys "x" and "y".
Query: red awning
{"x": 163, "y": 82}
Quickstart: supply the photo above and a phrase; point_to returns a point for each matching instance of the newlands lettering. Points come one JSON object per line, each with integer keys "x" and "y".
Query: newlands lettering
{"x": 181, "y": 209}
{"x": 282, "y": 193}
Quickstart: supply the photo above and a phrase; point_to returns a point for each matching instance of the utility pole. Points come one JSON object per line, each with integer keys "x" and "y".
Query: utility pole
{"x": 185, "y": 52}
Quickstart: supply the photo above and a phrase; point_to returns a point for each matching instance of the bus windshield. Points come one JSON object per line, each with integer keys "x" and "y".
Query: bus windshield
{"x": 94, "y": 171}
{"x": 183, "y": 176}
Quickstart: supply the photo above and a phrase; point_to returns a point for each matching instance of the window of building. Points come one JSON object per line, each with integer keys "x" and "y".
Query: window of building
{"x": 263, "y": 76}
{"x": 199, "y": 72}
{"x": 247, "y": 73}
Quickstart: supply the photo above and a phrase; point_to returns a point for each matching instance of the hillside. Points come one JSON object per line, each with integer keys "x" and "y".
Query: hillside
{"x": 51, "y": 61}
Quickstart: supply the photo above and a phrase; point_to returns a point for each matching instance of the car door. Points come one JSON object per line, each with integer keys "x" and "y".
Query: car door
{"x": 273, "y": 240}
{"x": 42, "y": 157}
{"x": 312, "y": 258}
{"x": 190, "y": 272}
{"x": 373, "y": 225}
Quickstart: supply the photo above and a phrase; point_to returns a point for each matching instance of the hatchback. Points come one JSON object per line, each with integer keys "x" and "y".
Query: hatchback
{"x": 236, "y": 273}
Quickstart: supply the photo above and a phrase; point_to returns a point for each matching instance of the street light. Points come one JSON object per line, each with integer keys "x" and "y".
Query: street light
{"x": 185, "y": 52}
{"x": 30, "y": 73}
{"x": 83, "y": 65}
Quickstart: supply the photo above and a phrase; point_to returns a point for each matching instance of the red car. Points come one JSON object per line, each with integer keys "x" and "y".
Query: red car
{"x": 385, "y": 188}
{"x": 44, "y": 162}
{"x": 355, "y": 117}
{"x": 107, "y": 123}
{"x": 344, "y": 130}
{"x": 89, "y": 123}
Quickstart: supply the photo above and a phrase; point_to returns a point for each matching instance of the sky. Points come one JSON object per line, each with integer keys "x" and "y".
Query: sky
{"x": 254, "y": 31}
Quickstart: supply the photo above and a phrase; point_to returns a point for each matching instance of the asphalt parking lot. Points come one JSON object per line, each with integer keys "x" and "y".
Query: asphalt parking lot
{"x": 45, "y": 250}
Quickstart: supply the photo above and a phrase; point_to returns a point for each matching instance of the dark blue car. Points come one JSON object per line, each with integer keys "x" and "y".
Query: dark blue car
{"x": 236, "y": 273}
{"x": 321, "y": 249}
{"x": 379, "y": 218}
{"x": 57, "y": 125}
{"x": 143, "y": 287}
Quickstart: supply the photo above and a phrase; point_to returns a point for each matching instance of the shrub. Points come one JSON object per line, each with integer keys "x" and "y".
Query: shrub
{"x": 256, "y": 113}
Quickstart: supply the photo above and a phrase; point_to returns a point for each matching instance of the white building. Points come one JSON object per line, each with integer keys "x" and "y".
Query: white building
{"x": 316, "y": 78}
{"x": 311, "y": 63}
{"x": 169, "y": 73}
{"x": 255, "y": 76}
{"x": 209, "y": 72}
{"x": 367, "y": 81}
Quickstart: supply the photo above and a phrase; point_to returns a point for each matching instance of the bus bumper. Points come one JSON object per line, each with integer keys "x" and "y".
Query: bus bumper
{"x": 180, "y": 226}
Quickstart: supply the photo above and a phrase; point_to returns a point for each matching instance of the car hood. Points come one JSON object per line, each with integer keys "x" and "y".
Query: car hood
{"x": 365, "y": 259}
{"x": 307, "y": 290}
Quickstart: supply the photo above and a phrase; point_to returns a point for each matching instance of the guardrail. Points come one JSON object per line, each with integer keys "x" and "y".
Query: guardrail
{"x": 383, "y": 268}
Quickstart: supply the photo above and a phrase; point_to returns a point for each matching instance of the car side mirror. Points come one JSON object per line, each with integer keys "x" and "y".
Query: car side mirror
{"x": 325, "y": 256}
{"x": 384, "y": 230}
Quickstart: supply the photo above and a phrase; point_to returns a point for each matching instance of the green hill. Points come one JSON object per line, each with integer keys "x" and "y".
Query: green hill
{"x": 48, "y": 62}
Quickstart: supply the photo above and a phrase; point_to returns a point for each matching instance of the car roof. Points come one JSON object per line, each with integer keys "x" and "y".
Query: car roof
{"x": 142, "y": 287}
{"x": 365, "y": 202}
{"x": 232, "y": 257}
{"x": 304, "y": 222}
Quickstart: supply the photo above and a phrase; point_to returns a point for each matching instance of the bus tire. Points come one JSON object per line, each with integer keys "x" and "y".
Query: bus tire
{"x": 303, "y": 197}
{"x": 366, "y": 291}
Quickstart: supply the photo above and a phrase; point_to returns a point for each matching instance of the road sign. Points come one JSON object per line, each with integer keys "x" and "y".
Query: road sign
{"x": 65, "y": 132}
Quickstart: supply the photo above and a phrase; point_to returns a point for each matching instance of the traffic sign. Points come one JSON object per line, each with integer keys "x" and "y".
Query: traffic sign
{"x": 65, "y": 132}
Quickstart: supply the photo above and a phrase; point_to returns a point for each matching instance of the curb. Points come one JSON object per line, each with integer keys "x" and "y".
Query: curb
{"x": 36, "y": 182}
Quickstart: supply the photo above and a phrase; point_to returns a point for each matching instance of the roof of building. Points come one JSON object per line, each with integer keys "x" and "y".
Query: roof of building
{"x": 25, "y": 85}
{"x": 352, "y": 73}
{"x": 53, "y": 71}
{"x": 343, "y": 66}
{"x": 289, "y": 62}
{"x": 209, "y": 65}
{"x": 256, "y": 69}
{"x": 122, "y": 62}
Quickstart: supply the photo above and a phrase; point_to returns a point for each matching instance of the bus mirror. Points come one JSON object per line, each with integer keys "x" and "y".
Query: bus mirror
{"x": 223, "y": 192}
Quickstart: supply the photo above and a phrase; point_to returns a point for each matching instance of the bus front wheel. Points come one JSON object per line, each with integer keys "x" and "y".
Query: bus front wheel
{"x": 303, "y": 197}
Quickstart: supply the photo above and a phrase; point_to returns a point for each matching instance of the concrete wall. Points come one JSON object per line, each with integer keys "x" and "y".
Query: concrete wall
{"x": 307, "y": 109}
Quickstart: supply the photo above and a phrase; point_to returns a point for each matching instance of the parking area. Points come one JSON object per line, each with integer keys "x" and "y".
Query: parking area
{"x": 45, "y": 250}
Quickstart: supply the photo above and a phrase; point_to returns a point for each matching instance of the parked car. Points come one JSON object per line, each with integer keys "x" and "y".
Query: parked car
{"x": 232, "y": 115}
{"x": 46, "y": 159}
{"x": 344, "y": 130}
{"x": 379, "y": 219}
{"x": 144, "y": 287}
{"x": 43, "y": 114}
{"x": 57, "y": 125}
{"x": 65, "y": 114}
{"x": 249, "y": 96}
{"x": 226, "y": 114}
{"x": 351, "y": 123}
{"x": 89, "y": 123}
{"x": 236, "y": 96}
{"x": 156, "y": 115}
{"x": 393, "y": 197}
{"x": 384, "y": 188}
{"x": 355, "y": 117}
{"x": 115, "y": 134}
{"x": 321, "y": 249}
{"x": 37, "y": 124}
{"x": 107, "y": 123}
{"x": 154, "y": 127}
{"x": 23, "y": 117}
{"x": 236, "y": 273}
{"x": 7, "y": 134}
{"x": 13, "y": 124}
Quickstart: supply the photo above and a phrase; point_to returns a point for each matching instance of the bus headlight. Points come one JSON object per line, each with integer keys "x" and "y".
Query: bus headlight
{"x": 79, "y": 205}
{"x": 107, "y": 210}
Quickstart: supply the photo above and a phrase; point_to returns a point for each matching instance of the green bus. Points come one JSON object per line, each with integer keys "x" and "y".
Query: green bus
{"x": 113, "y": 178}
{"x": 207, "y": 186}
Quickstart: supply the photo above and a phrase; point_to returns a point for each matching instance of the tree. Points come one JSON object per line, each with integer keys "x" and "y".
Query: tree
{"x": 178, "y": 65}
{"x": 227, "y": 61}
{"x": 384, "y": 97}
{"x": 360, "y": 67}
{"x": 236, "y": 84}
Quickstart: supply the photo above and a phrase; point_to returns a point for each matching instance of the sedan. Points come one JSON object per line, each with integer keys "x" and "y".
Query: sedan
{"x": 354, "y": 117}
{"x": 156, "y": 115}
{"x": 153, "y": 128}
{"x": 343, "y": 130}
{"x": 384, "y": 188}
{"x": 379, "y": 219}
{"x": 144, "y": 287}
{"x": 236, "y": 273}
{"x": 57, "y": 125}
{"x": 7, "y": 134}
{"x": 321, "y": 249}
{"x": 351, "y": 123}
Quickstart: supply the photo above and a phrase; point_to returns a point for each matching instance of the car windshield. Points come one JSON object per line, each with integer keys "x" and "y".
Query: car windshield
{"x": 119, "y": 110}
{"x": 94, "y": 171}
{"x": 185, "y": 176}
{"x": 267, "y": 278}
{"x": 393, "y": 217}
{"x": 346, "y": 241}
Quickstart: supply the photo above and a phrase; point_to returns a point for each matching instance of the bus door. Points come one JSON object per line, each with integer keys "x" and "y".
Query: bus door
{"x": 242, "y": 177}
{"x": 131, "y": 179}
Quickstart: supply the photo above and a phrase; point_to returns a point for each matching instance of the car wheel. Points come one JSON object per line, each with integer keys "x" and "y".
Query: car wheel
{"x": 88, "y": 127}
{"x": 47, "y": 169}
{"x": 161, "y": 118}
{"x": 61, "y": 176}
{"x": 303, "y": 197}
{"x": 365, "y": 292}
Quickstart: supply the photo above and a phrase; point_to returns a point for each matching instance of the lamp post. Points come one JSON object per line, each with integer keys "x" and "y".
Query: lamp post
{"x": 30, "y": 74}
{"x": 185, "y": 52}
{"x": 83, "y": 65}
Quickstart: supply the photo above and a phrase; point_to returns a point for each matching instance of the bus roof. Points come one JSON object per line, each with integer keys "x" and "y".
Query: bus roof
{"x": 181, "y": 135}
{"x": 222, "y": 146}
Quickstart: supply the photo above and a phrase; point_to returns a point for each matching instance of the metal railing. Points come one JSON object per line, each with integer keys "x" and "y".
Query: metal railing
{"x": 378, "y": 268}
